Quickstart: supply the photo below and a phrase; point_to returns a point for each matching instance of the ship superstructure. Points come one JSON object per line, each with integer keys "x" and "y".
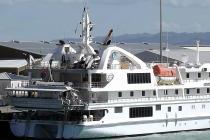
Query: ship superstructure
{"x": 109, "y": 92}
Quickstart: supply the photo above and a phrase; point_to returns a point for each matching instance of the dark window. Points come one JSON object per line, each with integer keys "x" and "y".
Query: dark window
{"x": 204, "y": 69}
{"x": 140, "y": 112}
{"x": 199, "y": 75}
{"x": 165, "y": 92}
{"x": 143, "y": 93}
{"x": 131, "y": 93}
{"x": 158, "y": 107}
{"x": 176, "y": 91}
{"x": 169, "y": 109}
{"x": 135, "y": 78}
{"x": 198, "y": 90}
{"x": 187, "y": 91}
{"x": 118, "y": 110}
{"x": 119, "y": 94}
{"x": 154, "y": 92}
{"x": 208, "y": 90}
{"x": 209, "y": 74}
{"x": 84, "y": 77}
{"x": 96, "y": 77}
{"x": 187, "y": 75}
{"x": 180, "y": 108}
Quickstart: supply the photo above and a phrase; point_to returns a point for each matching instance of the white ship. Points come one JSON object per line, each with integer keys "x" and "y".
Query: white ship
{"x": 109, "y": 93}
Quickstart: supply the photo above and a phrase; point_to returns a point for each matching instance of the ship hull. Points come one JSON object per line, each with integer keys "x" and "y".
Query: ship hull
{"x": 57, "y": 130}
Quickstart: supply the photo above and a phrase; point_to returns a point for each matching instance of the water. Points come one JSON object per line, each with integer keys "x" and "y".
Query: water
{"x": 192, "y": 135}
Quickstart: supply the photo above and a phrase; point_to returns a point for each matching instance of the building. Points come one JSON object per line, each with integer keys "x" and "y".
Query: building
{"x": 13, "y": 66}
{"x": 10, "y": 80}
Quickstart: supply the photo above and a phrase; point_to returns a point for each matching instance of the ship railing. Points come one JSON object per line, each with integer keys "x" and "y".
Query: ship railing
{"x": 36, "y": 103}
{"x": 195, "y": 80}
{"x": 80, "y": 85}
{"x": 98, "y": 84}
{"x": 197, "y": 97}
{"x": 169, "y": 98}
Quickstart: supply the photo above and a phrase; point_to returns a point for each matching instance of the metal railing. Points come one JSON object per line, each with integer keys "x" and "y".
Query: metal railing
{"x": 98, "y": 84}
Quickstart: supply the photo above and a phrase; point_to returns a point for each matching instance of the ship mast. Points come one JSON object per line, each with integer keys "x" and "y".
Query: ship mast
{"x": 197, "y": 52}
{"x": 161, "y": 58}
{"x": 86, "y": 28}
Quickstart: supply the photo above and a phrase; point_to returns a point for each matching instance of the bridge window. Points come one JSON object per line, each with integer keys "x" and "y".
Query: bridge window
{"x": 138, "y": 112}
{"x": 135, "y": 78}
{"x": 96, "y": 77}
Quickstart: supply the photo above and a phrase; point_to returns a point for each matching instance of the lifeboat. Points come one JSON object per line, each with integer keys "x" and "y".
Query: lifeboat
{"x": 166, "y": 76}
{"x": 162, "y": 71}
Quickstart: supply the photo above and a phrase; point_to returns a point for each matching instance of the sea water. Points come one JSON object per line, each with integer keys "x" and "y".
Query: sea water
{"x": 189, "y": 135}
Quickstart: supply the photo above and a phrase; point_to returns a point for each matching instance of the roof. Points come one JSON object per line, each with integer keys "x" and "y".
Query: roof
{"x": 10, "y": 76}
{"x": 39, "y": 48}
{"x": 12, "y": 63}
{"x": 185, "y": 55}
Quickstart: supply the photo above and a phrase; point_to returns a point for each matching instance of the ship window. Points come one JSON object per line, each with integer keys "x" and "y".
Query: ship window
{"x": 203, "y": 106}
{"x": 119, "y": 94}
{"x": 140, "y": 112}
{"x": 165, "y": 92}
{"x": 169, "y": 109}
{"x": 176, "y": 91}
{"x": 84, "y": 77}
{"x": 180, "y": 108}
{"x": 131, "y": 93}
{"x": 187, "y": 75}
{"x": 96, "y": 77}
{"x": 208, "y": 90}
{"x": 209, "y": 74}
{"x": 66, "y": 49}
{"x": 118, "y": 110}
{"x": 187, "y": 91}
{"x": 158, "y": 107}
{"x": 204, "y": 69}
{"x": 143, "y": 93}
{"x": 198, "y": 90}
{"x": 154, "y": 92}
{"x": 135, "y": 78}
{"x": 199, "y": 75}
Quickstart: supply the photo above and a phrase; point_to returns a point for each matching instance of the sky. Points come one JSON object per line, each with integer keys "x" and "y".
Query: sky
{"x": 36, "y": 20}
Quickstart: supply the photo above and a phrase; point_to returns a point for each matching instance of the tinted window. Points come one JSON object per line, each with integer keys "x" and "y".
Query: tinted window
{"x": 135, "y": 78}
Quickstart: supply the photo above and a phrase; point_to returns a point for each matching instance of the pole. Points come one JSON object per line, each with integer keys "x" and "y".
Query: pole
{"x": 161, "y": 58}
